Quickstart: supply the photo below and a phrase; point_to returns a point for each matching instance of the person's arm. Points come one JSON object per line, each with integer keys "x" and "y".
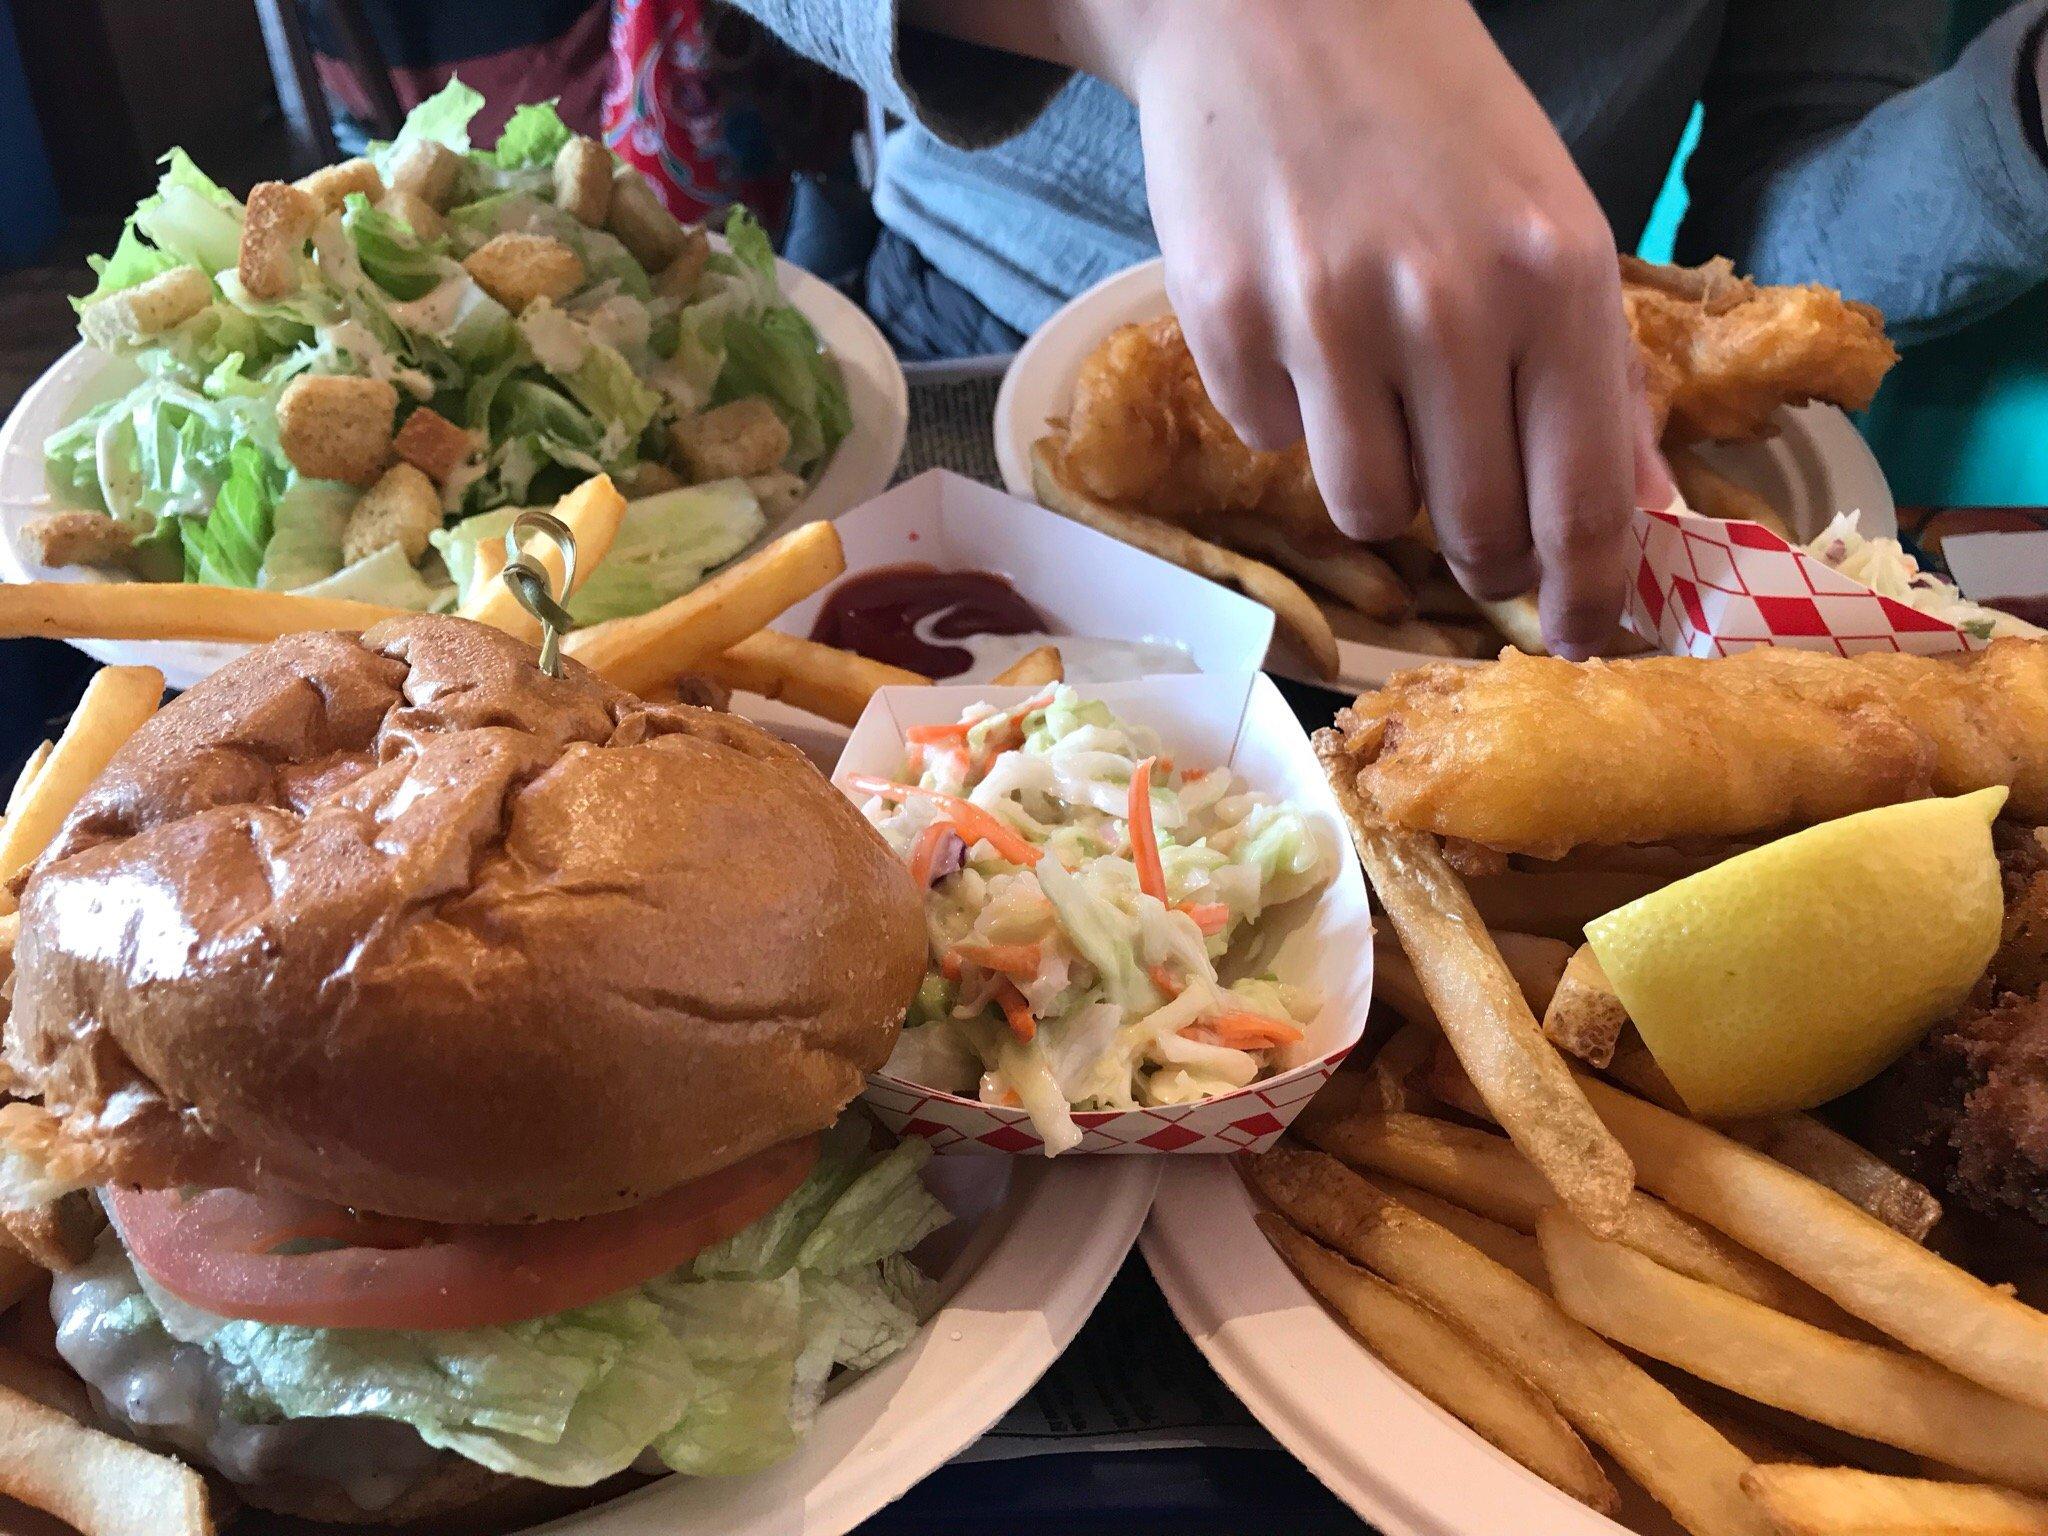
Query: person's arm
{"x": 1832, "y": 151}
{"x": 1374, "y": 239}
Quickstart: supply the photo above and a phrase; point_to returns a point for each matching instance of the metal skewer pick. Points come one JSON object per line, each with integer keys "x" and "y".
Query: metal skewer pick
{"x": 530, "y": 582}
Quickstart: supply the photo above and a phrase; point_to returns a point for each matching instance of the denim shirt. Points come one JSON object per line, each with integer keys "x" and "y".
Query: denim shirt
{"x": 1833, "y": 149}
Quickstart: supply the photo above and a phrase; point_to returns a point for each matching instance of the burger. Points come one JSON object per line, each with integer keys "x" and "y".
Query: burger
{"x": 458, "y": 1054}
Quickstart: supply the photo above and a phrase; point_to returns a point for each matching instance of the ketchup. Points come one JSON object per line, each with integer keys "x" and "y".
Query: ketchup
{"x": 879, "y": 613}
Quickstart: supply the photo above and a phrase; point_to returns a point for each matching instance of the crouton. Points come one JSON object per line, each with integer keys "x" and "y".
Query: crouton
{"x": 516, "y": 269}
{"x": 330, "y": 185}
{"x": 402, "y": 508}
{"x": 433, "y": 444}
{"x": 678, "y": 280}
{"x": 745, "y": 437}
{"x": 583, "y": 181}
{"x": 148, "y": 309}
{"x": 274, "y": 232}
{"x": 643, "y": 225}
{"x": 414, "y": 213}
{"x": 337, "y": 427}
{"x": 77, "y": 538}
{"x": 649, "y": 477}
{"x": 427, "y": 170}
{"x": 777, "y": 491}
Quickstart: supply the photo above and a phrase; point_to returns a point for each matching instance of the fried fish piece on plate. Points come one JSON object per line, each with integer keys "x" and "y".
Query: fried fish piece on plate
{"x": 1538, "y": 756}
{"x": 1721, "y": 353}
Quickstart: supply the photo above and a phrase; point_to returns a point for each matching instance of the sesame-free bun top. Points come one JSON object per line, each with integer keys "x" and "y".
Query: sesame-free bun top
{"x": 400, "y": 922}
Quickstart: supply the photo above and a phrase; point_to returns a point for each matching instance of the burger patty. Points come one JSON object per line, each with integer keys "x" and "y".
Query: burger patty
{"x": 175, "y": 1395}
{"x": 1966, "y": 1111}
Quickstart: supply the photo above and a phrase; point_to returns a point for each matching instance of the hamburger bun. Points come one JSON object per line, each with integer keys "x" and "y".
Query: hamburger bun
{"x": 399, "y": 922}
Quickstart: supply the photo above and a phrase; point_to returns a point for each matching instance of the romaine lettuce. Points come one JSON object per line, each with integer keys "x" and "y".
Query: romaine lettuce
{"x": 225, "y": 547}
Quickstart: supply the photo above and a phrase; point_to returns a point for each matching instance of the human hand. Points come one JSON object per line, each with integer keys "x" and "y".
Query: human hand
{"x": 1374, "y": 238}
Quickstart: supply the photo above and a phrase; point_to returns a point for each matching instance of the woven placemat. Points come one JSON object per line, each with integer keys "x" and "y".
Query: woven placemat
{"x": 951, "y": 427}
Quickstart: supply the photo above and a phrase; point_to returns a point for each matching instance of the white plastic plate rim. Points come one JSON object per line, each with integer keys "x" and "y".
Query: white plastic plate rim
{"x": 860, "y": 467}
{"x": 1378, "y": 1444}
{"x": 1064, "y": 1233}
{"x": 1817, "y": 464}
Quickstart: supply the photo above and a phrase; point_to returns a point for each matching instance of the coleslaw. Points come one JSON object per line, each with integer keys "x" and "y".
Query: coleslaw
{"x": 1884, "y": 566}
{"x": 1085, "y": 897}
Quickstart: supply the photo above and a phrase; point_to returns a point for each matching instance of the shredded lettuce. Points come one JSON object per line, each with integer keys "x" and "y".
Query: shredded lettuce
{"x": 712, "y": 1373}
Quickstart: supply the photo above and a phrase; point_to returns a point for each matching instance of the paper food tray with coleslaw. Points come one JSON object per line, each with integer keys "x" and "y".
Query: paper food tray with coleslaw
{"x": 1317, "y": 946}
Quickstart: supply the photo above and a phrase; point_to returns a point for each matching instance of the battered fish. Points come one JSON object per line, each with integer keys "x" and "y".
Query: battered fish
{"x": 1719, "y": 355}
{"x": 1538, "y": 756}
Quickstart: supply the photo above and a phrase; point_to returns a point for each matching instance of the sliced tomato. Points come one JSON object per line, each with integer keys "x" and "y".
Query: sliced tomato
{"x": 284, "y": 1259}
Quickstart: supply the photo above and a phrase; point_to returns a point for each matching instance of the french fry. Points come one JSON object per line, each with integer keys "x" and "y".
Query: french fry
{"x": 26, "y": 779}
{"x": 1341, "y": 568}
{"x": 1557, "y": 903}
{"x": 1841, "y": 1501}
{"x": 1848, "y": 1255}
{"x": 682, "y": 634}
{"x": 1511, "y": 1250}
{"x": 1485, "y": 1173}
{"x": 820, "y": 678}
{"x": 592, "y": 512}
{"x": 1393, "y": 1071}
{"x": 99, "y": 1485}
{"x": 1584, "y": 1018}
{"x": 1034, "y": 669}
{"x": 1828, "y": 1157}
{"x": 1295, "y": 609}
{"x": 1481, "y": 1010}
{"x": 1536, "y": 963}
{"x": 1712, "y": 494}
{"x": 1636, "y": 1069}
{"x": 1866, "y": 1389}
{"x": 172, "y": 610}
{"x": 1688, "y": 1466}
{"x": 1447, "y": 1367}
{"x": 115, "y": 703}
{"x": 1517, "y": 619}
{"x": 1427, "y": 635}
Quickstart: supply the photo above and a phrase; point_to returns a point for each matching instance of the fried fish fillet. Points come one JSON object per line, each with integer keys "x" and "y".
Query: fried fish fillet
{"x": 1720, "y": 353}
{"x": 1538, "y": 756}
{"x": 1143, "y": 434}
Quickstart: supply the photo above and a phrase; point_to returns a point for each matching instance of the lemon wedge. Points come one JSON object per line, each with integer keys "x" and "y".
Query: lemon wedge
{"x": 1790, "y": 974}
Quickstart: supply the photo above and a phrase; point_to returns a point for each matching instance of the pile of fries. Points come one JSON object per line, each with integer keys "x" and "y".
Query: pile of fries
{"x": 51, "y": 1458}
{"x": 1510, "y": 1206}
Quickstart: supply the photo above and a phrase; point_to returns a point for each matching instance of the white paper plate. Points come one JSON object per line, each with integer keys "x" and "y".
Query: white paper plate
{"x": 1033, "y": 1269}
{"x": 1377, "y": 1443}
{"x": 859, "y": 468}
{"x": 1817, "y": 465}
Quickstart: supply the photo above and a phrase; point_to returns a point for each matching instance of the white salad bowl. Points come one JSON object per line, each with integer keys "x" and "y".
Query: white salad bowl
{"x": 860, "y": 466}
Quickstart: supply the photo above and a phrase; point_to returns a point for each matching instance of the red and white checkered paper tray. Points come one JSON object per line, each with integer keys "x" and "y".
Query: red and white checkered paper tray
{"x": 1709, "y": 588}
{"x": 1323, "y": 941}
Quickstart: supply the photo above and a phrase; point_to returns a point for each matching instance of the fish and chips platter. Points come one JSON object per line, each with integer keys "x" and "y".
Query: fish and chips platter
{"x": 643, "y": 981}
